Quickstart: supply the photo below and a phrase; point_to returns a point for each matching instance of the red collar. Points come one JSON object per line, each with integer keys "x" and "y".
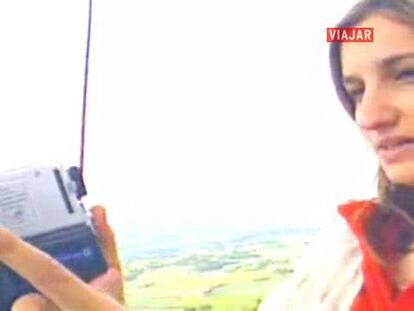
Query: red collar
{"x": 377, "y": 293}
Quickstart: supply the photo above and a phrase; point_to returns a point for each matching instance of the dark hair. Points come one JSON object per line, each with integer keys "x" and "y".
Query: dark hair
{"x": 390, "y": 230}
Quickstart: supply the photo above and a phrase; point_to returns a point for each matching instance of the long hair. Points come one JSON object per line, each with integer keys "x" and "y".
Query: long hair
{"x": 390, "y": 230}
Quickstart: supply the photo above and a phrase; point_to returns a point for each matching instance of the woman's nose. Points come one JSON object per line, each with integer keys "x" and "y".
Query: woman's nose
{"x": 376, "y": 111}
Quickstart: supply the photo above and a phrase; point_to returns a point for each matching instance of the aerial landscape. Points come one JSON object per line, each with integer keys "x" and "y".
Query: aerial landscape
{"x": 221, "y": 272}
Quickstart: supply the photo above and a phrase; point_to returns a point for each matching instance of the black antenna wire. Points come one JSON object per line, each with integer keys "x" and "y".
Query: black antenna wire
{"x": 85, "y": 92}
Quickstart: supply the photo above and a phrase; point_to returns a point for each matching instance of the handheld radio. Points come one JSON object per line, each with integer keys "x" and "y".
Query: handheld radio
{"x": 43, "y": 206}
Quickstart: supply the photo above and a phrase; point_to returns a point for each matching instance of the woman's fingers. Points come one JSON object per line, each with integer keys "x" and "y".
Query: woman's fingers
{"x": 33, "y": 302}
{"x": 107, "y": 236}
{"x": 49, "y": 277}
{"x": 64, "y": 291}
{"x": 109, "y": 283}
{"x": 108, "y": 244}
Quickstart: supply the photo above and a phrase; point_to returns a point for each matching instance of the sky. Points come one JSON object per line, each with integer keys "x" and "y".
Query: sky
{"x": 199, "y": 112}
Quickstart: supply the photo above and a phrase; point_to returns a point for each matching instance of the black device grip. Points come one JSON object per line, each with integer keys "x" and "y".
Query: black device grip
{"x": 76, "y": 248}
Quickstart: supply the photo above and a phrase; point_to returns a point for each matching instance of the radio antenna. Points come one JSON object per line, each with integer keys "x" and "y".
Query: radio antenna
{"x": 85, "y": 92}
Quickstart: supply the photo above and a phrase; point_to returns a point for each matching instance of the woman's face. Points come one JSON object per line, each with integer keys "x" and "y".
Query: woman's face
{"x": 379, "y": 76}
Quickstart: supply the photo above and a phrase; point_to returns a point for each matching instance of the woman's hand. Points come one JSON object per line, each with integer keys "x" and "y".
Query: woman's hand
{"x": 111, "y": 284}
{"x": 60, "y": 289}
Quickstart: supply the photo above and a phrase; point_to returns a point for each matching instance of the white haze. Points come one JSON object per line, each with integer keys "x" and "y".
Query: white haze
{"x": 200, "y": 112}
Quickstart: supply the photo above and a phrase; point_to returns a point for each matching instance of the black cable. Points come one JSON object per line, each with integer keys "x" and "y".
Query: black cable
{"x": 85, "y": 92}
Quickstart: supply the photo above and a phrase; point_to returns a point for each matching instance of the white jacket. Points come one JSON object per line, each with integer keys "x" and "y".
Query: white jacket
{"x": 328, "y": 278}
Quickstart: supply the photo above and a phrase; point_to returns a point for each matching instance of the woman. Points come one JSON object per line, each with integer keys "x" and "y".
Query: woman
{"x": 60, "y": 289}
{"x": 369, "y": 263}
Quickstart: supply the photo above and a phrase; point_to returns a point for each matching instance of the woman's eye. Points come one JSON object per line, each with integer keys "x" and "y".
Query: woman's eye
{"x": 407, "y": 74}
{"x": 356, "y": 94}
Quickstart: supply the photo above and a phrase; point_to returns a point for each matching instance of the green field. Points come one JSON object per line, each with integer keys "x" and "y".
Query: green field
{"x": 223, "y": 278}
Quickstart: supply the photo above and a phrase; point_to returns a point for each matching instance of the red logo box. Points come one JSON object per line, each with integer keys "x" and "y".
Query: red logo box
{"x": 350, "y": 34}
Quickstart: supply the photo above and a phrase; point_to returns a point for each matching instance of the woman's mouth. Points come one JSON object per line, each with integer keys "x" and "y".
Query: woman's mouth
{"x": 393, "y": 149}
